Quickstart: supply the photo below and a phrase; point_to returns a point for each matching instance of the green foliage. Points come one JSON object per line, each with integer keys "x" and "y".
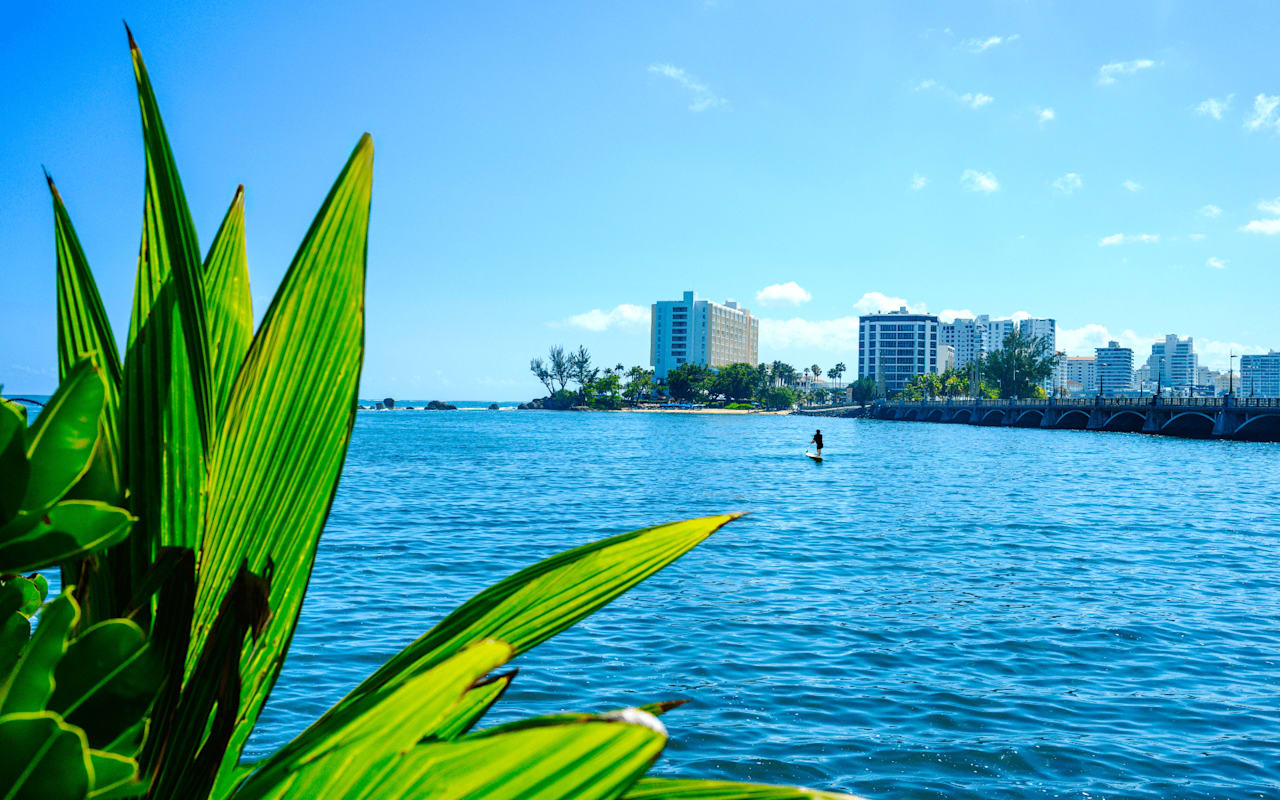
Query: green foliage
{"x": 1020, "y": 366}
{"x": 864, "y": 390}
{"x": 42, "y": 465}
{"x": 192, "y": 588}
{"x": 688, "y": 383}
{"x": 778, "y": 398}
{"x": 735, "y": 382}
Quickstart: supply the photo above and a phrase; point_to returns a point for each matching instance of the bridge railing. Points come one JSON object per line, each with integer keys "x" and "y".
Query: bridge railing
{"x": 1090, "y": 402}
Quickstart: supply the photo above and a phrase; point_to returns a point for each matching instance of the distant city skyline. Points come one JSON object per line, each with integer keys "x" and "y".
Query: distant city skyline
{"x": 545, "y": 173}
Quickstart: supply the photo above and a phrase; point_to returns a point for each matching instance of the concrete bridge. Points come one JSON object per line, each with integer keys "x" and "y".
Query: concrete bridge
{"x": 1246, "y": 418}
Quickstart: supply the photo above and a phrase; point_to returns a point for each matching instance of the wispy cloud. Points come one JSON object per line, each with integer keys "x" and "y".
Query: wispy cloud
{"x": 701, "y": 96}
{"x": 1044, "y": 115}
{"x": 873, "y": 302}
{"x": 1068, "y": 184}
{"x": 1210, "y": 211}
{"x": 918, "y": 182}
{"x": 1264, "y": 113}
{"x": 976, "y": 181}
{"x": 1268, "y": 227}
{"x": 787, "y": 294}
{"x": 1082, "y": 341}
{"x": 1131, "y": 185}
{"x": 1128, "y": 238}
{"x": 1108, "y": 73}
{"x": 983, "y": 45}
{"x": 1213, "y": 107}
{"x": 839, "y": 335}
{"x": 624, "y": 316}
{"x": 974, "y": 100}
{"x": 1215, "y": 262}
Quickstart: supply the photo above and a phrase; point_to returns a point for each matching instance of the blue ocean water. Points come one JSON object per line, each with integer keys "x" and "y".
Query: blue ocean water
{"x": 934, "y": 611}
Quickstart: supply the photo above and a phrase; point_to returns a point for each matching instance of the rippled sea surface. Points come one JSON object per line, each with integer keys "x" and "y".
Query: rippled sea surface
{"x": 934, "y": 611}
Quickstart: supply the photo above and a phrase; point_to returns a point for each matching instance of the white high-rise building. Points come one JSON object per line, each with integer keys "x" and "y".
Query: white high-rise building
{"x": 693, "y": 331}
{"x": 1115, "y": 369}
{"x": 966, "y": 336}
{"x": 1259, "y": 375}
{"x": 1046, "y": 329}
{"x": 1173, "y": 363}
{"x": 1081, "y": 374}
{"x": 893, "y": 347}
{"x": 994, "y": 332}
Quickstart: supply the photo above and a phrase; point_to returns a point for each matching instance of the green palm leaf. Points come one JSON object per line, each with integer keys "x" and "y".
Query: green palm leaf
{"x": 169, "y": 245}
{"x": 69, "y": 530}
{"x": 393, "y": 724}
{"x": 280, "y": 449}
{"x": 474, "y": 704}
{"x": 164, "y": 417}
{"x": 227, "y": 301}
{"x": 60, "y": 444}
{"x": 43, "y": 757}
{"x": 595, "y": 760}
{"x": 528, "y": 607}
{"x": 84, "y": 331}
{"x": 684, "y": 789}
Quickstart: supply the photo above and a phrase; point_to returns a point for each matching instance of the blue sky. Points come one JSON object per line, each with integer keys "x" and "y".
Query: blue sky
{"x": 544, "y": 171}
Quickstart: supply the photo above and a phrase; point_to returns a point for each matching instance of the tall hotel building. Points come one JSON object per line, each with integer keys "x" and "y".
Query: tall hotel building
{"x": 894, "y": 347}
{"x": 1114, "y": 366}
{"x": 1259, "y": 375}
{"x": 693, "y": 331}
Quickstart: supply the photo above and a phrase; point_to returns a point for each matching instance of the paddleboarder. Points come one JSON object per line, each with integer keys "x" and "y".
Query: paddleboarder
{"x": 816, "y": 441}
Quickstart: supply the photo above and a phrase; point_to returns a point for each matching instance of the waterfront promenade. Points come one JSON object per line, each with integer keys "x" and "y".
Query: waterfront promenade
{"x": 1249, "y": 419}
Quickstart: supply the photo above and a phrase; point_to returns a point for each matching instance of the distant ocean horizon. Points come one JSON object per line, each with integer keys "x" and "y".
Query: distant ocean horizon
{"x": 461, "y": 404}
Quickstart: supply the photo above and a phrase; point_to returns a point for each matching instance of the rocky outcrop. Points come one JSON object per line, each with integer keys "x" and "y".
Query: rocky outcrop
{"x": 493, "y": 406}
{"x": 436, "y": 405}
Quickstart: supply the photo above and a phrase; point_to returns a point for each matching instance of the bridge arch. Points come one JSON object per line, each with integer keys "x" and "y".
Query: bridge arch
{"x": 934, "y": 416}
{"x": 963, "y": 415}
{"x": 1126, "y": 421}
{"x": 1259, "y": 428}
{"x": 1031, "y": 418}
{"x": 1189, "y": 424}
{"x": 1075, "y": 419}
{"x": 992, "y": 417}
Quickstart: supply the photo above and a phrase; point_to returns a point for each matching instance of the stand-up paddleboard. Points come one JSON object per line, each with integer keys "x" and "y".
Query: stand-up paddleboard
{"x": 815, "y": 458}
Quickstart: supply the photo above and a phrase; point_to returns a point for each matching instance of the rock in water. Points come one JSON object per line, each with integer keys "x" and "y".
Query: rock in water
{"x": 388, "y": 402}
{"x": 493, "y": 406}
{"x": 436, "y": 405}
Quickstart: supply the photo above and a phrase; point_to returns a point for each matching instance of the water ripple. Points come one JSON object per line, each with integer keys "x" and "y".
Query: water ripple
{"x": 935, "y": 611}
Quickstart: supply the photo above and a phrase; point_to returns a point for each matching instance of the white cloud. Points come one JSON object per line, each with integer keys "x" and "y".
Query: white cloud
{"x": 1210, "y": 211}
{"x": 787, "y": 294}
{"x": 976, "y": 181}
{"x": 1268, "y": 227}
{"x": 976, "y": 100}
{"x": 1214, "y": 107}
{"x": 622, "y": 316}
{"x": 1069, "y": 183}
{"x": 838, "y": 335}
{"x": 953, "y": 314}
{"x": 702, "y": 96}
{"x": 1107, "y": 72}
{"x": 1132, "y": 185}
{"x": 1216, "y": 263}
{"x": 1130, "y": 238}
{"x": 1044, "y": 115}
{"x": 1082, "y": 341}
{"x": 1196, "y": 237}
{"x": 1264, "y": 112}
{"x": 918, "y": 182}
{"x": 873, "y": 302}
{"x": 982, "y": 45}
